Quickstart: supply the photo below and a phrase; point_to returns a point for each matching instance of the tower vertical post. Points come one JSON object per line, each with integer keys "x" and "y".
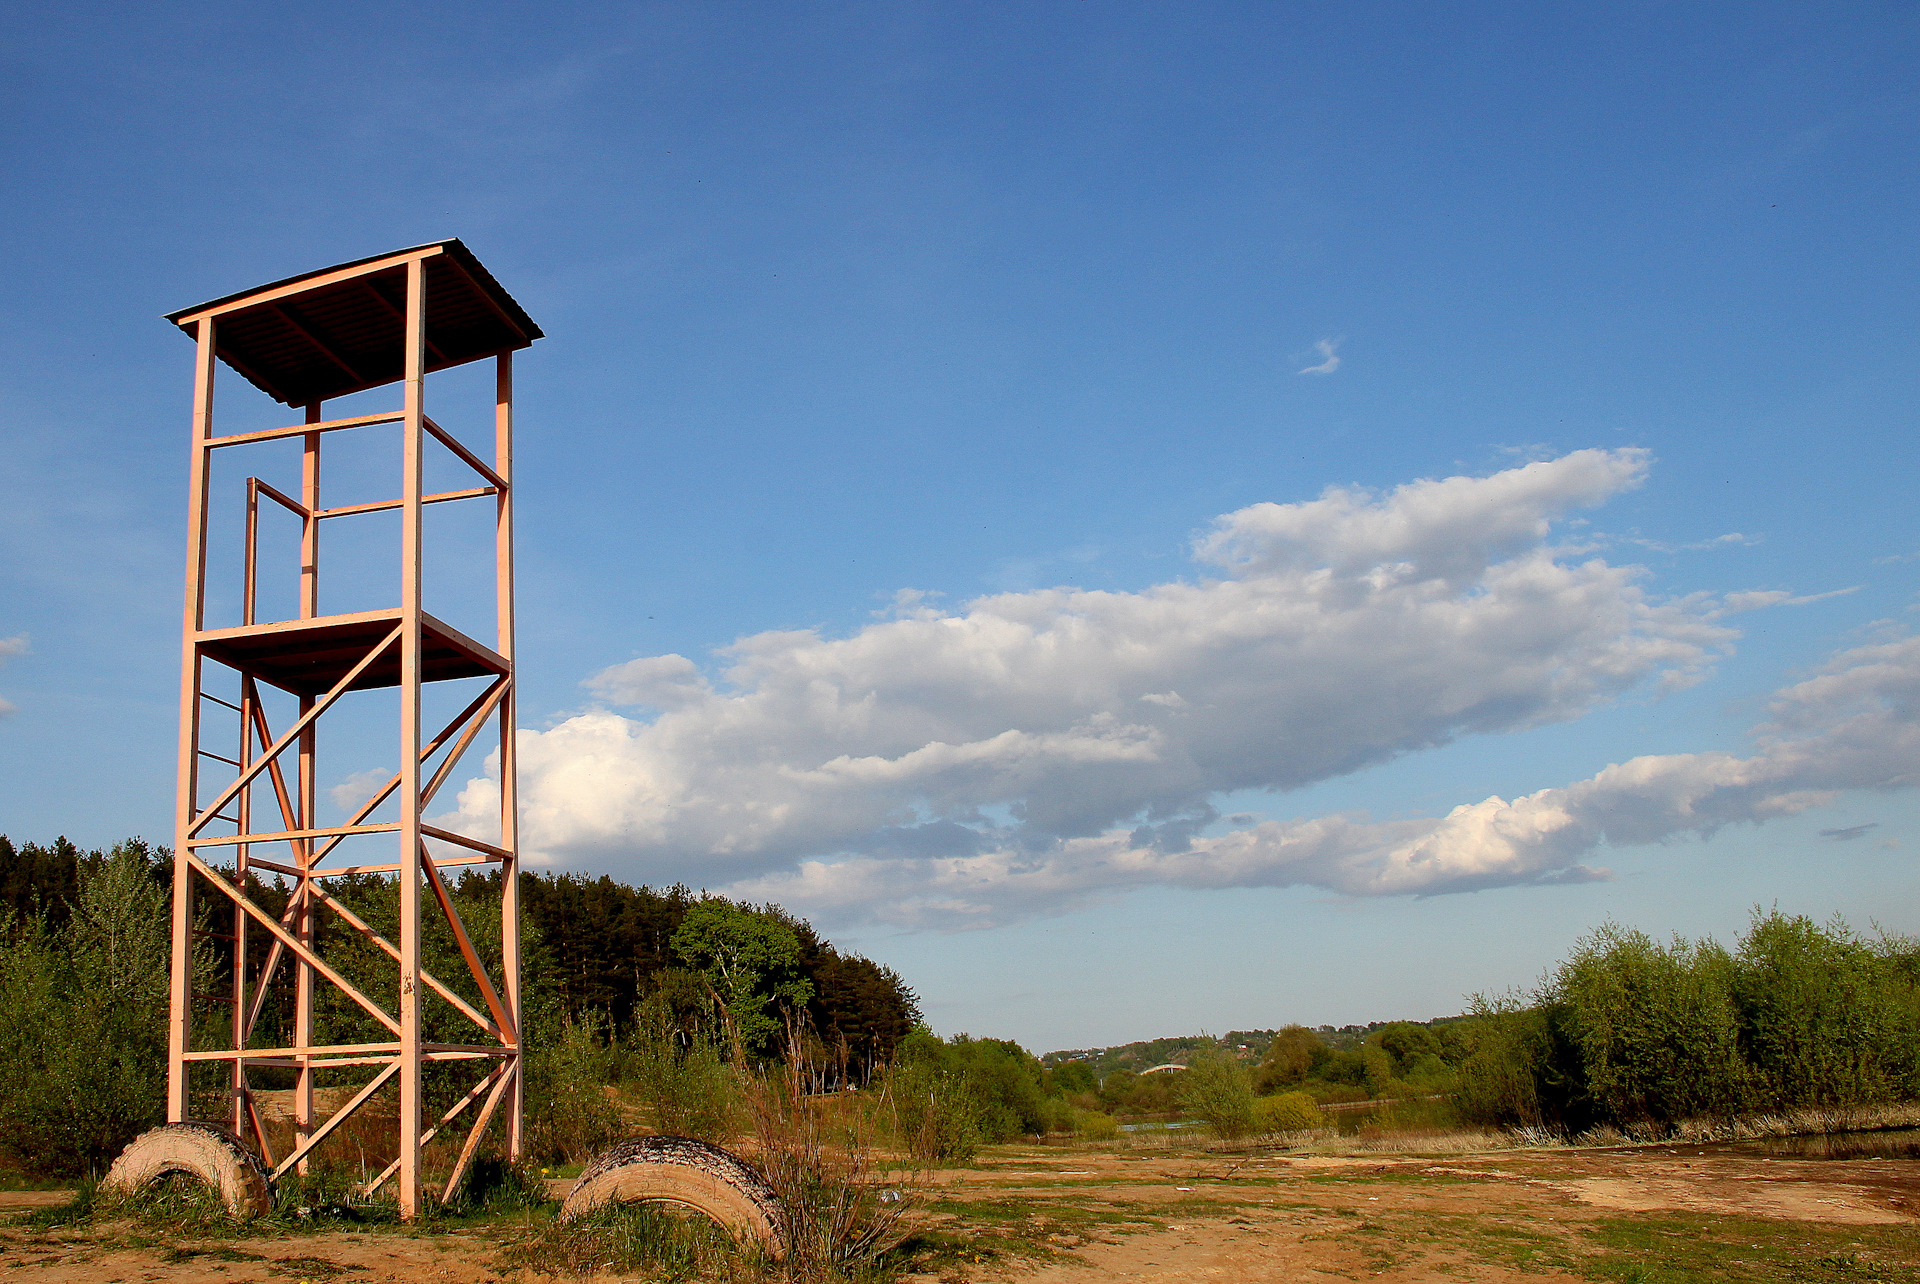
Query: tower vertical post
{"x": 180, "y": 973}
{"x": 509, "y": 775}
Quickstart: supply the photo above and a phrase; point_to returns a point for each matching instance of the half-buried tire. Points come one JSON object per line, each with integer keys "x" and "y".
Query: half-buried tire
{"x": 213, "y": 1155}
{"x": 693, "y": 1174}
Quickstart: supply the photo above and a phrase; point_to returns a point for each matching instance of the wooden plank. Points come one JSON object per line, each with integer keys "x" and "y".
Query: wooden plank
{"x": 485, "y": 655}
{"x": 509, "y": 762}
{"x": 293, "y": 506}
{"x": 494, "y": 695}
{"x": 461, "y": 840}
{"x": 413, "y": 451}
{"x": 180, "y": 968}
{"x": 387, "y": 616}
{"x": 467, "y": 952}
{"x": 393, "y": 782}
{"x": 478, "y": 1130}
{"x": 392, "y": 951}
{"x": 285, "y": 835}
{"x": 453, "y": 1112}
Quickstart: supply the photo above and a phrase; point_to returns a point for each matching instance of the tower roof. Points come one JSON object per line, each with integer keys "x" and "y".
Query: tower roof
{"x": 342, "y": 329}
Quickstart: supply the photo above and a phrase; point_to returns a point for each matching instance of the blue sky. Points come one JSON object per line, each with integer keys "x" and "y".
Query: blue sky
{"x": 1009, "y": 305}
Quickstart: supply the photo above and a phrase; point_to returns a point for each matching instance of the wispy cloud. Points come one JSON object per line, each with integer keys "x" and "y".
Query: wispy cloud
{"x": 1851, "y": 832}
{"x": 1330, "y": 359}
{"x": 1733, "y": 539}
{"x": 10, "y": 647}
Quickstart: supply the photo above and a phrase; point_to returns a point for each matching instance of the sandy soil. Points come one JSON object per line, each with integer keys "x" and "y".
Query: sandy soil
{"x": 1090, "y": 1217}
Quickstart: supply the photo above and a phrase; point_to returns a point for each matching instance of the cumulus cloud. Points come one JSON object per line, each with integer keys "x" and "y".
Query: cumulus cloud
{"x": 10, "y": 647}
{"x": 1030, "y": 750}
{"x": 1329, "y": 358}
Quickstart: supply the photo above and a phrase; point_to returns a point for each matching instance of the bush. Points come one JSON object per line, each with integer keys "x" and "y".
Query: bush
{"x": 1218, "y": 1090}
{"x": 935, "y": 1113}
{"x": 1653, "y": 1026}
{"x": 1287, "y": 1112}
{"x": 1628, "y": 1032}
{"x": 1295, "y": 1053}
{"x": 682, "y": 1082}
{"x": 1091, "y": 1125}
{"x": 1824, "y": 1019}
{"x": 568, "y": 1115}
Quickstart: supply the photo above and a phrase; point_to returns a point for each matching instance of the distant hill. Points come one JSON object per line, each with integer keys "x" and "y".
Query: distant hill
{"x": 1245, "y": 1045}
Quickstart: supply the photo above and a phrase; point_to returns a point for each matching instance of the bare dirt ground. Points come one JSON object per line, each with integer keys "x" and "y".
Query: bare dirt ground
{"x": 1045, "y": 1215}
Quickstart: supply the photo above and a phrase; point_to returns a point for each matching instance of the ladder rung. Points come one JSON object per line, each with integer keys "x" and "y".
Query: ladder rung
{"x": 216, "y": 998}
{"x": 208, "y": 695}
{"x": 218, "y": 936}
{"x": 208, "y": 753}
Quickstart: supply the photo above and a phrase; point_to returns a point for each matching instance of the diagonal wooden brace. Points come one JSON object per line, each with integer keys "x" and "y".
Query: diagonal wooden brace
{"x": 478, "y": 1130}
{"x": 287, "y": 939}
{"x": 507, "y": 1029}
{"x": 494, "y": 1079}
{"x": 339, "y": 1117}
{"x": 305, "y": 720}
{"x": 483, "y": 704}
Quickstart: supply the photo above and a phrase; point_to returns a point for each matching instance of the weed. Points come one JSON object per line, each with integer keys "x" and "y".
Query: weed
{"x": 641, "y": 1239}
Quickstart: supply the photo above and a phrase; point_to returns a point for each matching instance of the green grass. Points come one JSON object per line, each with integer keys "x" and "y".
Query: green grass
{"x": 1696, "y": 1249}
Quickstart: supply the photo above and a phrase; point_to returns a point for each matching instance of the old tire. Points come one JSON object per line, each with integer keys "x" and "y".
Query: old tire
{"x": 212, "y": 1154}
{"x": 681, "y": 1170}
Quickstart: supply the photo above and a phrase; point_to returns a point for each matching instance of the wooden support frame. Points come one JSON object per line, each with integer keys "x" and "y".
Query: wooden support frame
{"x": 285, "y": 767}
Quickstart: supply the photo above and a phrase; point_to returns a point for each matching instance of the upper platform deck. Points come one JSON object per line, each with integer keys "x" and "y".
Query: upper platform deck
{"x": 343, "y": 329}
{"x": 307, "y": 657}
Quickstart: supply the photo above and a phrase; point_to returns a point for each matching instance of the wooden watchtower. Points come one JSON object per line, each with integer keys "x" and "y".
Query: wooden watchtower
{"x": 393, "y": 319}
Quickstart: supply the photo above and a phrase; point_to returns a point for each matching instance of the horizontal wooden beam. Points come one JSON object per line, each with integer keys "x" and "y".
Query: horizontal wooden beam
{"x": 301, "y": 430}
{"x": 386, "y": 505}
{"x": 291, "y": 835}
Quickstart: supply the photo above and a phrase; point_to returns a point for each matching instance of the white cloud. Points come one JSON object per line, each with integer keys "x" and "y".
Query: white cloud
{"x": 1031, "y": 748}
{"x": 1855, "y": 726}
{"x": 358, "y": 787}
{"x": 1329, "y": 358}
{"x": 10, "y": 647}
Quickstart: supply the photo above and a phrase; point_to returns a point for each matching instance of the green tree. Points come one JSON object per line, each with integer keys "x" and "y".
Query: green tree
{"x": 1295, "y": 1053}
{"x": 83, "y": 1013}
{"x": 751, "y": 964}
